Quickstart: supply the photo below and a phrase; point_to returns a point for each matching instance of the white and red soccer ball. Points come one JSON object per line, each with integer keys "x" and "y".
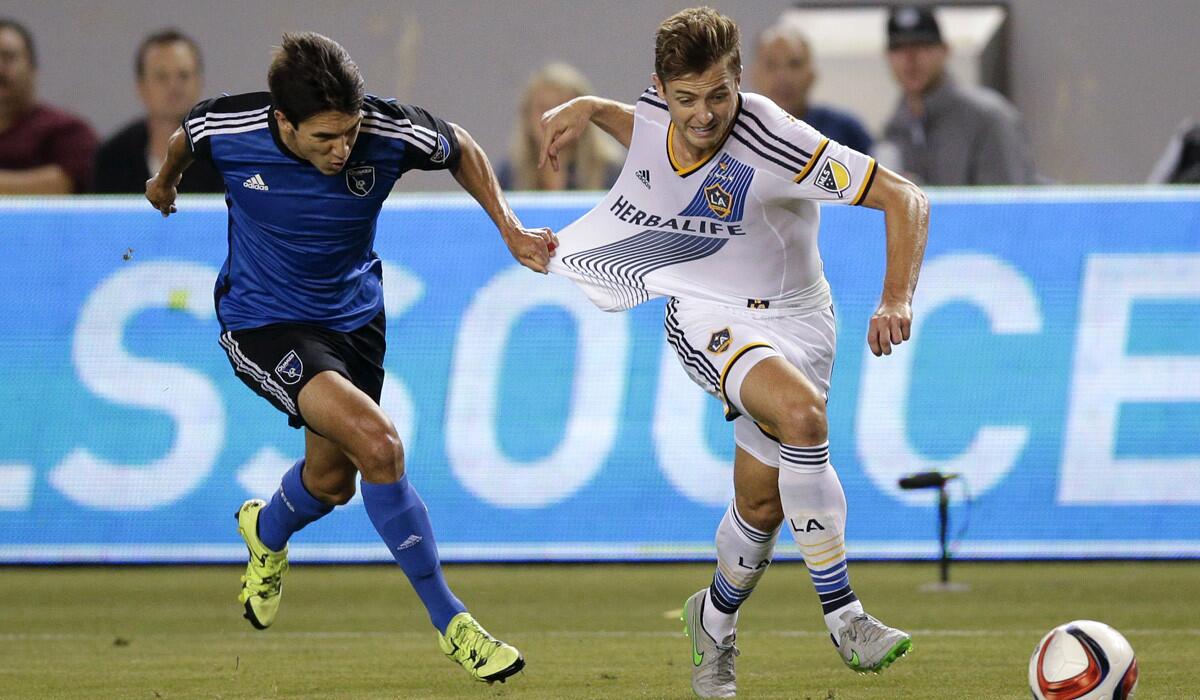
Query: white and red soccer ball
{"x": 1083, "y": 660}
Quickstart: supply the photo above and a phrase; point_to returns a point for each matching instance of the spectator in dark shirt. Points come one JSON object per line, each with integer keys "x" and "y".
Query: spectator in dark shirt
{"x": 944, "y": 132}
{"x": 169, "y": 71}
{"x": 783, "y": 71}
{"x": 43, "y": 150}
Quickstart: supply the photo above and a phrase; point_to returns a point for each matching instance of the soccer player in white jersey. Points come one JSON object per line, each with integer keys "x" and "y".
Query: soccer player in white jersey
{"x": 717, "y": 208}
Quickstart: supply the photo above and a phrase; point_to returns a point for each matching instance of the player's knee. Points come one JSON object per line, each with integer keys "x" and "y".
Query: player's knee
{"x": 342, "y": 495}
{"x": 762, "y": 513}
{"x": 804, "y": 421}
{"x": 381, "y": 456}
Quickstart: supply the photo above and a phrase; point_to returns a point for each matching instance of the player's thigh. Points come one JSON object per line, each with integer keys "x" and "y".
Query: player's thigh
{"x": 713, "y": 344}
{"x": 756, "y": 489}
{"x": 787, "y": 392}
{"x": 344, "y": 415}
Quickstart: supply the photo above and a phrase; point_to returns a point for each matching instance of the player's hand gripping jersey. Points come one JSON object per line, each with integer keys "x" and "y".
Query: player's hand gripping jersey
{"x": 738, "y": 229}
{"x": 300, "y": 242}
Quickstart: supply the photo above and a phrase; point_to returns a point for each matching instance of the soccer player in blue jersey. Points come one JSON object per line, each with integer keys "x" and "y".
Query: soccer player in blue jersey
{"x": 299, "y": 299}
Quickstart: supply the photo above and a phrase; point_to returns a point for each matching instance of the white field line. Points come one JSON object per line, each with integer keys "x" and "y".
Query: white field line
{"x": 552, "y": 634}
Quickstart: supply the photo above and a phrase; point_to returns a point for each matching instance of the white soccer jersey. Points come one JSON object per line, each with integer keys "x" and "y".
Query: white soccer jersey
{"x": 739, "y": 228}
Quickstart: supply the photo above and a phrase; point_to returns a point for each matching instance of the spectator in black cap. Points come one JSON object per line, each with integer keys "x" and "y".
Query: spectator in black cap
{"x": 943, "y": 132}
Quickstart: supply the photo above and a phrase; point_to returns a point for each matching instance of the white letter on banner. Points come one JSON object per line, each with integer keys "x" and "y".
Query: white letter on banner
{"x": 601, "y": 360}
{"x": 1008, "y": 300}
{"x": 679, "y": 439}
{"x": 1105, "y": 377}
{"x": 109, "y": 371}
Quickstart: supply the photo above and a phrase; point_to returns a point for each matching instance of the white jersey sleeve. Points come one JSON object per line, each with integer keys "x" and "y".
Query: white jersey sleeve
{"x": 816, "y": 167}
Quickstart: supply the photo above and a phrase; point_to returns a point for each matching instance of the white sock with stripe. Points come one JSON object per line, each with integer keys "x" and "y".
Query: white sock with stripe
{"x": 743, "y": 555}
{"x": 814, "y": 509}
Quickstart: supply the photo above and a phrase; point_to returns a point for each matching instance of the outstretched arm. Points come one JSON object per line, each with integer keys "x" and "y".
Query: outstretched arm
{"x": 531, "y": 247}
{"x": 160, "y": 189}
{"x": 906, "y": 216}
{"x": 564, "y": 124}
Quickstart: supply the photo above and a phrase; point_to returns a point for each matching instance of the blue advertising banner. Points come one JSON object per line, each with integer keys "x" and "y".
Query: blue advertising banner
{"x": 1054, "y": 365}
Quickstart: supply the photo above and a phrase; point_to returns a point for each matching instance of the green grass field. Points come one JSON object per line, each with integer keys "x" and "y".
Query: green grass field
{"x": 587, "y": 631}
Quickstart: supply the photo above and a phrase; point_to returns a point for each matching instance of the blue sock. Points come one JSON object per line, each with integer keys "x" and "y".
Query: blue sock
{"x": 291, "y": 508}
{"x": 401, "y": 519}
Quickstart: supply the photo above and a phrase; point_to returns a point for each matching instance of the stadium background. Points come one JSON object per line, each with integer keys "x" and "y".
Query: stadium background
{"x": 125, "y": 438}
{"x": 1102, "y": 83}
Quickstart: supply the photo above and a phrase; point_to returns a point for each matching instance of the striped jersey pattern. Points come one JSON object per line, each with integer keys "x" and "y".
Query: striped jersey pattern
{"x": 300, "y": 241}
{"x": 740, "y": 224}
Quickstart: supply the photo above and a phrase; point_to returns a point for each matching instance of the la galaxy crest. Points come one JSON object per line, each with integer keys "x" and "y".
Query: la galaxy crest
{"x": 361, "y": 180}
{"x": 719, "y": 200}
{"x": 723, "y": 192}
{"x": 719, "y": 342}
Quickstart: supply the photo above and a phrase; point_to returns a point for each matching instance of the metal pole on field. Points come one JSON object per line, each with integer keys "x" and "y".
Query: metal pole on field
{"x": 937, "y": 480}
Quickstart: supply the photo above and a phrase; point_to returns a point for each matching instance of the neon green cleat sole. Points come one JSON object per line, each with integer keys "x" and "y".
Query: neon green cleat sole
{"x": 900, "y": 649}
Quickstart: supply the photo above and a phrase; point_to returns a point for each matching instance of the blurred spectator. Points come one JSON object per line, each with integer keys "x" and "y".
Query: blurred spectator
{"x": 1180, "y": 163}
{"x": 783, "y": 71}
{"x": 592, "y": 164}
{"x": 944, "y": 133}
{"x": 169, "y": 73}
{"x": 43, "y": 150}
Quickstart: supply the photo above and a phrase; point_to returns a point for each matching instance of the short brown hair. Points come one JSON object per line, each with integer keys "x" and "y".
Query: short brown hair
{"x": 693, "y": 40}
{"x": 311, "y": 73}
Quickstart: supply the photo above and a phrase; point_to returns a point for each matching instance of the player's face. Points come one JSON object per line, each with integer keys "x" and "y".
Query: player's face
{"x": 917, "y": 66}
{"x": 326, "y": 139}
{"x": 16, "y": 70}
{"x": 170, "y": 82}
{"x": 702, "y": 105}
{"x": 783, "y": 72}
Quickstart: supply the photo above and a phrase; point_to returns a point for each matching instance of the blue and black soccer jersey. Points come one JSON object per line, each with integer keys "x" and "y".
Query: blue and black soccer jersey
{"x": 301, "y": 242}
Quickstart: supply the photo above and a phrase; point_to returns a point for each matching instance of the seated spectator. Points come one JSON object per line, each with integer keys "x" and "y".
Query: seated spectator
{"x": 783, "y": 71}
{"x": 169, "y": 73}
{"x": 945, "y": 133}
{"x": 592, "y": 164}
{"x": 43, "y": 150}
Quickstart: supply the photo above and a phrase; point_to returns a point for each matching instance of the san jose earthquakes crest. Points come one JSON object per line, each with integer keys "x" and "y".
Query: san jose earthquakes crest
{"x": 290, "y": 369}
{"x": 361, "y": 180}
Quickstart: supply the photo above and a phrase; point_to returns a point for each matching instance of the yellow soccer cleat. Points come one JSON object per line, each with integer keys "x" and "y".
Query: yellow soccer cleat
{"x": 262, "y": 585}
{"x": 486, "y": 658}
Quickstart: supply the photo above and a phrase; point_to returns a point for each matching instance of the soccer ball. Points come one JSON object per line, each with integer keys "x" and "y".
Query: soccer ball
{"x": 1083, "y": 660}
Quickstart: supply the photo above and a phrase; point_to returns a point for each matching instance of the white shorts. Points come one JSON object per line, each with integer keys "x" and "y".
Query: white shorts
{"x": 718, "y": 345}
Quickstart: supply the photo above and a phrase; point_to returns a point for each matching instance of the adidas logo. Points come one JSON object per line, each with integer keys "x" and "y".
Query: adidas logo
{"x": 255, "y": 183}
{"x": 644, "y": 176}
{"x": 412, "y": 541}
